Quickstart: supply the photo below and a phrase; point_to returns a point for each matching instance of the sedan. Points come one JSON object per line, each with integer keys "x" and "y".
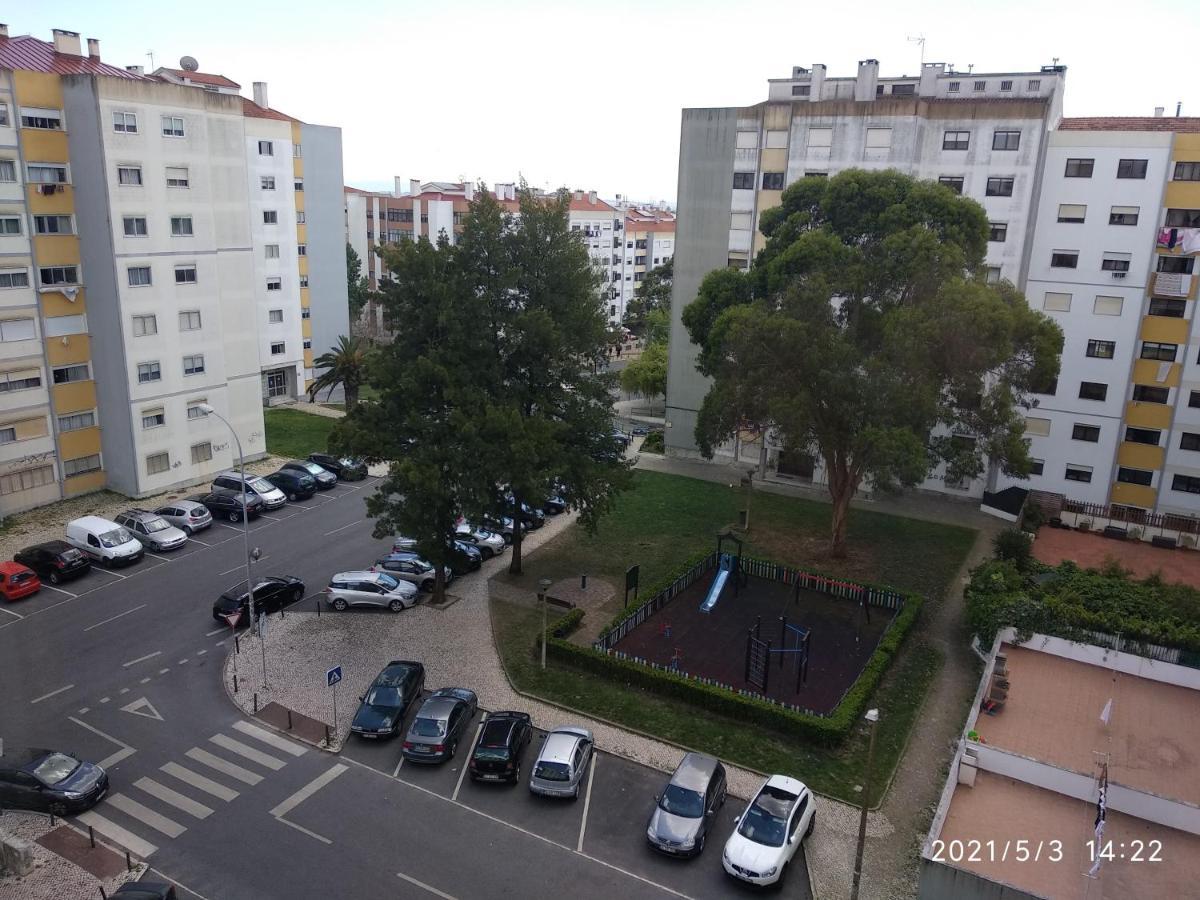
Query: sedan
{"x": 323, "y": 477}
{"x": 382, "y": 708}
{"x": 151, "y": 530}
{"x": 295, "y": 485}
{"x": 410, "y": 567}
{"x": 54, "y": 561}
{"x": 465, "y": 557}
{"x": 344, "y": 467}
{"x": 227, "y": 504}
{"x": 531, "y": 519}
{"x": 685, "y": 809}
{"x": 370, "y": 589}
{"x": 562, "y": 762}
{"x": 439, "y": 725}
{"x": 770, "y": 831}
{"x": 271, "y": 594}
{"x": 501, "y": 525}
{"x": 49, "y": 781}
{"x": 145, "y": 890}
{"x": 189, "y": 516}
{"x": 497, "y": 753}
{"x": 488, "y": 542}
{"x": 553, "y": 505}
{"x": 17, "y": 581}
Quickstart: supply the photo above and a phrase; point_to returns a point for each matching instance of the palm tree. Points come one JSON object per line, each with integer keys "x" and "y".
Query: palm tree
{"x": 344, "y": 364}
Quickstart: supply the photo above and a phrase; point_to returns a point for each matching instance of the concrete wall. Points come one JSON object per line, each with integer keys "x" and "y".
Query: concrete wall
{"x": 325, "y": 213}
{"x": 940, "y": 881}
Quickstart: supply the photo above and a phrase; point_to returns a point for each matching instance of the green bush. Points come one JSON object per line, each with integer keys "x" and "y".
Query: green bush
{"x": 562, "y": 628}
{"x": 1032, "y": 518}
{"x": 653, "y": 443}
{"x": 1013, "y": 545}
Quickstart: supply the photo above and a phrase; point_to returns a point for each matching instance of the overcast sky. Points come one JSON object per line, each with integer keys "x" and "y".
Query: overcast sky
{"x": 588, "y": 95}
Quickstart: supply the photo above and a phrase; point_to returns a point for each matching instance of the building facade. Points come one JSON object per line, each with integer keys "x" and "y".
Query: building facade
{"x": 648, "y": 242}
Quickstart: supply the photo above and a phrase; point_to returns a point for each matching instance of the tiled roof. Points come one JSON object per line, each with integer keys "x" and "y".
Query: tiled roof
{"x": 254, "y": 111}
{"x": 585, "y": 204}
{"x": 1177, "y": 124}
{"x": 656, "y": 227}
{"x": 202, "y": 78}
{"x": 27, "y": 53}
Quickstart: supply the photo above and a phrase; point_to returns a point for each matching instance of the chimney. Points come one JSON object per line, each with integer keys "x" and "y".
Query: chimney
{"x": 816, "y": 82}
{"x": 592, "y": 197}
{"x": 397, "y": 186}
{"x": 67, "y": 42}
{"x": 3, "y": 30}
{"x": 868, "y": 78}
{"x": 1158, "y": 111}
{"x": 136, "y": 70}
{"x": 94, "y": 49}
{"x": 414, "y": 186}
{"x": 929, "y": 79}
{"x": 578, "y": 195}
{"x": 260, "y": 94}
{"x": 469, "y": 191}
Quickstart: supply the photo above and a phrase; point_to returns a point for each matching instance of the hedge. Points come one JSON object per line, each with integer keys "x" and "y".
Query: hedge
{"x": 658, "y": 587}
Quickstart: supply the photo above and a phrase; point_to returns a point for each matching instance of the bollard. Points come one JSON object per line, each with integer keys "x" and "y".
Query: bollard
{"x": 327, "y": 742}
{"x": 318, "y": 602}
{"x": 128, "y": 862}
{"x": 91, "y": 837}
{"x": 583, "y": 582}
{"x": 281, "y": 612}
{"x": 52, "y": 821}
{"x": 256, "y": 703}
{"x": 103, "y": 896}
{"x": 237, "y": 646}
{"x": 289, "y": 720}
{"x": 235, "y": 682}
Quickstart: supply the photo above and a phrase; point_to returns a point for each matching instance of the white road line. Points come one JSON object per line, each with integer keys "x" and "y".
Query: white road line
{"x": 182, "y": 662}
{"x": 11, "y": 613}
{"x": 165, "y": 877}
{"x": 201, "y": 652}
{"x": 214, "y": 631}
{"x": 399, "y": 766}
{"x": 144, "y": 680}
{"x": 270, "y": 738}
{"x": 114, "y": 618}
{"x": 164, "y": 671}
{"x": 113, "y": 759}
{"x": 117, "y": 834}
{"x": 163, "y": 558}
{"x": 343, "y": 528}
{"x": 587, "y": 802}
{"x": 237, "y": 568}
{"x": 105, "y": 699}
{"x": 114, "y": 574}
{"x": 425, "y": 887}
{"x": 85, "y": 710}
{"x": 51, "y": 587}
{"x": 134, "y": 662}
{"x": 223, "y": 766}
{"x": 196, "y": 540}
{"x": 308, "y": 790}
{"x": 303, "y": 830}
{"x": 223, "y": 525}
{"x": 174, "y": 798}
{"x": 52, "y": 694}
{"x": 463, "y": 774}
{"x": 199, "y": 782}
{"x": 146, "y": 815}
{"x": 263, "y": 759}
{"x": 123, "y": 691}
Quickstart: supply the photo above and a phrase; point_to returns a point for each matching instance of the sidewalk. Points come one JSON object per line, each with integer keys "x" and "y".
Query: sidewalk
{"x": 64, "y": 865}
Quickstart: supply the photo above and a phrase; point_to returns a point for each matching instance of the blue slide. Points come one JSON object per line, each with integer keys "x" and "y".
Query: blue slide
{"x": 718, "y": 585}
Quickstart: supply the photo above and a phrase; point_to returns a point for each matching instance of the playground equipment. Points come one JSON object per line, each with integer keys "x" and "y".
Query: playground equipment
{"x": 794, "y": 644}
{"x": 728, "y": 566}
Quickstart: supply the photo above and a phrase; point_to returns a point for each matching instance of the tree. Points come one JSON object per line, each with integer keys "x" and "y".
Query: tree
{"x": 647, "y": 375}
{"x": 652, "y": 295}
{"x": 360, "y": 291}
{"x": 865, "y": 330}
{"x": 346, "y": 364}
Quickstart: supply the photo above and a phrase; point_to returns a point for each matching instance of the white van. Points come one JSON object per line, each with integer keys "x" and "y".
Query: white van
{"x": 271, "y": 496}
{"x": 104, "y": 541}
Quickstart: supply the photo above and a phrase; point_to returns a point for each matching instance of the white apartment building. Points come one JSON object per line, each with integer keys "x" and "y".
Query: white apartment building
{"x": 648, "y": 241}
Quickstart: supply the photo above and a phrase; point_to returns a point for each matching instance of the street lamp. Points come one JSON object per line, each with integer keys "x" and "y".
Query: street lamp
{"x": 543, "y": 586}
{"x": 872, "y": 716}
{"x": 207, "y": 410}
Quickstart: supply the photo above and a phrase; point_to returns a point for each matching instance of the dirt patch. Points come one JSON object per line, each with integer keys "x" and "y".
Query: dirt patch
{"x": 1092, "y": 551}
{"x": 807, "y": 551}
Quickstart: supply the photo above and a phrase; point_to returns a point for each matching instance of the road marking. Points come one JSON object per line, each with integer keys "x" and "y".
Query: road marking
{"x": 425, "y": 887}
{"x": 117, "y": 834}
{"x": 11, "y": 613}
{"x": 144, "y": 680}
{"x": 134, "y": 662}
{"x": 174, "y": 798}
{"x": 146, "y": 815}
{"x": 85, "y": 710}
{"x": 196, "y": 540}
{"x": 164, "y": 671}
{"x": 199, "y": 782}
{"x": 142, "y": 707}
{"x": 201, "y": 652}
{"x": 51, "y": 587}
{"x": 105, "y": 699}
{"x": 52, "y": 694}
{"x": 182, "y": 662}
{"x": 223, "y": 766}
{"x": 303, "y": 830}
{"x": 214, "y": 631}
{"x": 114, "y": 574}
{"x": 163, "y": 558}
{"x": 223, "y": 525}
{"x": 114, "y": 618}
{"x": 343, "y": 528}
{"x": 308, "y": 790}
{"x": 270, "y": 738}
{"x": 163, "y": 875}
{"x": 587, "y": 801}
{"x": 399, "y": 765}
{"x": 462, "y": 774}
{"x": 123, "y": 691}
{"x": 263, "y": 759}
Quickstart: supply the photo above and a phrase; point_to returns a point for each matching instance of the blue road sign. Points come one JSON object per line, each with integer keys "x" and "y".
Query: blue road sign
{"x": 333, "y": 676}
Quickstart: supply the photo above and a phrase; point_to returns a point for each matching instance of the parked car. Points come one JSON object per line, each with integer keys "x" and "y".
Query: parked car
{"x": 295, "y": 485}
{"x": 370, "y": 589}
{"x": 271, "y": 496}
{"x": 344, "y": 467}
{"x": 145, "y": 890}
{"x": 531, "y": 519}
{"x": 554, "y": 505}
{"x": 465, "y": 558}
{"x": 323, "y": 477}
{"x": 49, "y": 781}
{"x": 271, "y": 594}
{"x": 227, "y": 504}
{"x": 382, "y": 708}
{"x": 189, "y": 516}
{"x": 152, "y": 530}
{"x": 54, "y": 561}
{"x": 408, "y": 566}
{"x": 501, "y": 525}
{"x": 497, "y": 753}
{"x": 106, "y": 542}
{"x": 621, "y": 439}
{"x": 770, "y": 831}
{"x": 684, "y": 811}
{"x": 489, "y": 542}
{"x": 17, "y": 581}
{"x": 562, "y": 762}
{"x": 439, "y": 725}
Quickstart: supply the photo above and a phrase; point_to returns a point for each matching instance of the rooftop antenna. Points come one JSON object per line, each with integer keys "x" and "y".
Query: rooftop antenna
{"x": 1178, "y": 109}
{"x": 150, "y": 53}
{"x": 970, "y": 68}
{"x": 919, "y": 39}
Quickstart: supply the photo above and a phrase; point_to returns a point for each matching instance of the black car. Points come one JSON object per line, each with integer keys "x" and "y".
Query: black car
{"x": 497, "y": 753}
{"x": 382, "y": 708}
{"x": 226, "y": 503}
{"x": 553, "y": 505}
{"x": 296, "y": 485}
{"x": 345, "y": 468}
{"x": 49, "y": 781}
{"x": 54, "y": 561}
{"x": 271, "y": 594}
{"x": 531, "y": 519}
{"x": 145, "y": 890}
{"x": 323, "y": 477}
{"x": 465, "y": 557}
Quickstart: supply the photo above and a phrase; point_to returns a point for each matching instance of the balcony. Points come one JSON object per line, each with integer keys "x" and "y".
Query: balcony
{"x": 51, "y": 199}
{"x": 75, "y": 396}
{"x": 1134, "y": 495}
{"x": 1164, "y": 330}
{"x": 1148, "y": 415}
{"x": 1172, "y": 284}
{"x": 1141, "y": 456}
{"x": 1147, "y": 371}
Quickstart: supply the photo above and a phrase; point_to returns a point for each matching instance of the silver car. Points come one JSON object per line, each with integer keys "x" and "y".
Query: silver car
{"x": 562, "y": 762}
{"x": 489, "y": 543}
{"x": 186, "y": 515}
{"x": 369, "y": 589}
{"x": 684, "y": 810}
{"x": 151, "y": 530}
{"x": 271, "y": 496}
{"x": 440, "y": 724}
{"x": 407, "y": 566}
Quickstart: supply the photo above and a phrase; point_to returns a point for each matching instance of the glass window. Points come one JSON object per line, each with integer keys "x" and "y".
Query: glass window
{"x": 1144, "y": 393}
{"x": 185, "y": 274}
{"x": 1064, "y": 259}
{"x": 76, "y": 421}
{"x": 1078, "y": 473}
{"x": 157, "y": 463}
{"x": 1123, "y": 215}
{"x": 1187, "y": 171}
{"x": 81, "y": 465}
{"x": 1156, "y": 350}
{"x": 274, "y": 284}
{"x": 139, "y": 276}
{"x": 135, "y": 226}
{"x": 1092, "y": 390}
{"x": 172, "y": 126}
{"x": 177, "y": 177}
{"x": 1143, "y": 436}
{"x": 1183, "y": 218}
{"x": 1089, "y": 433}
{"x": 129, "y": 175}
{"x": 144, "y": 325}
{"x": 202, "y": 452}
{"x": 1108, "y": 306}
{"x": 772, "y": 181}
{"x": 181, "y": 226}
{"x": 68, "y": 374}
{"x": 1056, "y": 302}
{"x": 1170, "y": 308}
{"x": 267, "y": 182}
{"x": 189, "y": 320}
{"x": 1080, "y": 168}
{"x": 1188, "y": 484}
{"x": 270, "y": 217}
{"x": 148, "y": 372}
{"x": 51, "y": 275}
{"x": 1072, "y": 212}
{"x": 266, "y": 148}
{"x": 33, "y": 117}
{"x": 272, "y": 251}
{"x": 997, "y": 232}
{"x": 1006, "y": 140}
{"x": 954, "y": 182}
{"x": 193, "y": 365}
{"x": 999, "y": 186}
{"x": 1131, "y": 168}
{"x": 14, "y": 278}
{"x": 10, "y": 225}
{"x": 8, "y": 170}
{"x": 275, "y": 316}
{"x": 1101, "y": 349}
{"x": 277, "y": 348}
{"x": 1134, "y": 476}
{"x": 956, "y": 140}
{"x": 154, "y": 419}
{"x": 17, "y": 330}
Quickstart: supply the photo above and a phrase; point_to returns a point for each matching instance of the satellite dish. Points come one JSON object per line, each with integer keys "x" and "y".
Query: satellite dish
{"x": 189, "y": 64}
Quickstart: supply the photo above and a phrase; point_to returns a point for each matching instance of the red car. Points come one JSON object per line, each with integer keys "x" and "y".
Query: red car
{"x": 17, "y": 581}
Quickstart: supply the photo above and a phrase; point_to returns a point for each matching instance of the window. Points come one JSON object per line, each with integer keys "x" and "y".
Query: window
{"x": 144, "y": 325}
{"x": 135, "y": 226}
{"x": 1092, "y": 390}
{"x": 17, "y": 330}
{"x": 201, "y": 452}
{"x": 999, "y": 187}
{"x": 1149, "y": 436}
{"x": 300, "y": 217}
{"x": 297, "y": 150}
{"x": 1080, "y": 168}
{"x": 157, "y": 463}
{"x": 1115, "y": 262}
{"x": 185, "y": 274}
{"x": 1163, "y": 352}
{"x": 193, "y": 365}
{"x": 194, "y": 411}
{"x": 1131, "y": 168}
{"x": 14, "y": 278}
{"x": 76, "y": 421}
{"x": 266, "y": 148}
{"x": 274, "y": 284}
{"x": 1006, "y": 140}
{"x": 746, "y": 140}
{"x": 125, "y": 122}
{"x": 81, "y": 465}
{"x": 954, "y": 182}
{"x": 956, "y": 140}
{"x": 1171, "y": 309}
{"x": 1187, "y": 171}
{"x": 69, "y": 374}
{"x": 1006, "y": 85}
{"x": 51, "y": 275}
{"x": 302, "y": 249}
{"x": 177, "y": 177}
{"x": 1123, "y": 215}
{"x": 1101, "y": 349}
{"x": 877, "y": 138}
{"x": 148, "y": 372}
{"x": 820, "y": 137}
{"x": 45, "y": 173}
{"x": 308, "y": 341}
{"x": 304, "y": 280}
{"x": 1189, "y": 441}
{"x": 1194, "y": 399}
{"x": 181, "y": 226}
{"x": 172, "y": 126}
{"x": 1144, "y": 393}
{"x": 298, "y": 185}
{"x": 1037, "y": 466}
{"x": 3, "y": 113}
{"x": 277, "y": 348}
{"x": 1064, "y": 259}
{"x": 1134, "y": 476}
{"x": 1183, "y": 218}
{"x": 992, "y": 275}
{"x": 154, "y": 419}
{"x": 189, "y": 320}
{"x": 33, "y": 117}
{"x": 305, "y": 312}
{"x": 1072, "y": 212}
{"x": 1188, "y": 484}
{"x": 1056, "y": 302}
{"x": 130, "y": 175}
{"x": 801, "y": 90}
{"x": 8, "y": 170}
{"x": 980, "y": 86}
{"x": 270, "y": 217}
{"x": 277, "y": 383}
{"x": 139, "y": 276}
{"x": 997, "y": 231}
{"x": 272, "y": 251}
{"x": 952, "y": 87}
{"x": 267, "y": 182}
{"x": 772, "y": 181}
{"x": 1078, "y": 473}
{"x": 1034, "y": 84}
{"x": 1036, "y": 426}
{"x": 275, "y": 316}
{"x": 903, "y": 90}
{"x": 10, "y": 225}
{"x": 1108, "y": 306}
{"x": 1181, "y": 265}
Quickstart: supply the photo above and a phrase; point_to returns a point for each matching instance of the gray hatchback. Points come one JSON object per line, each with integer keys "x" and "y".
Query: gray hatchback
{"x": 440, "y": 725}
{"x": 684, "y": 810}
{"x": 562, "y": 762}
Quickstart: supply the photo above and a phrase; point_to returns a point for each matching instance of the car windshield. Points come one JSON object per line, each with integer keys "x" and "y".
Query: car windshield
{"x": 427, "y": 728}
{"x": 765, "y": 822}
{"x": 421, "y": 565}
{"x": 347, "y": 461}
{"x": 499, "y": 754}
{"x": 261, "y": 485}
{"x": 383, "y": 696}
{"x": 115, "y": 538}
{"x": 552, "y": 771}
{"x": 388, "y": 581}
{"x": 155, "y": 525}
{"x": 680, "y": 801}
{"x": 313, "y": 468}
{"x": 54, "y": 768}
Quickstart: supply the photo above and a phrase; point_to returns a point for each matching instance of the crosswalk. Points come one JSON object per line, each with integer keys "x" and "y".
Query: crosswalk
{"x": 160, "y": 806}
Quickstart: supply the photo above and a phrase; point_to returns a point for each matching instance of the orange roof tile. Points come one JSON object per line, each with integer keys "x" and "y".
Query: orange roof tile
{"x": 1177, "y": 124}
{"x": 27, "y": 53}
{"x": 203, "y": 78}
{"x": 254, "y": 111}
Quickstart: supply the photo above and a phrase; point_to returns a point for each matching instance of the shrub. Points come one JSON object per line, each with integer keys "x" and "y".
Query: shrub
{"x": 1032, "y": 518}
{"x": 561, "y": 628}
{"x": 1013, "y": 545}
{"x": 654, "y": 443}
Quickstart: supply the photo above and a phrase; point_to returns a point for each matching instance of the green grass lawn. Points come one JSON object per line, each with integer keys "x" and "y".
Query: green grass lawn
{"x": 296, "y": 434}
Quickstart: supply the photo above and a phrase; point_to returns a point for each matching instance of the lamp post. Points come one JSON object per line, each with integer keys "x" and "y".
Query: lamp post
{"x": 209, "y": 411}
{"x": 543, "y": 586}
{"x": 872, "y": 716}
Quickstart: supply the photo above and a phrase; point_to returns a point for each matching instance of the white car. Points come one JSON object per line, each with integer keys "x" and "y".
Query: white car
{"x": 770, "y": 831}
{"x": 370, "y": 589}
{"x": 489, "y": 543}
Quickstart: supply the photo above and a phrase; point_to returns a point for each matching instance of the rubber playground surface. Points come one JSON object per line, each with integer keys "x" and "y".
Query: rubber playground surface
{"x": 713, "y": 644}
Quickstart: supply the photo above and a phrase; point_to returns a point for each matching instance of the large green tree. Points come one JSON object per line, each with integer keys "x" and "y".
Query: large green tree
{"x": 652, "y": 295}
{"x": 865, "y": 331}
{"x": 647, "y": 373}
{"x": 346, "y": 363}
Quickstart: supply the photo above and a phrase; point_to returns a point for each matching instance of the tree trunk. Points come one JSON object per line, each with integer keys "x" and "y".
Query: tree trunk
{"x": 439, "y": 585}
{"x": 514, "y": 564}
{"x": 351, "y": 397}
{"x": 841, "y": 510}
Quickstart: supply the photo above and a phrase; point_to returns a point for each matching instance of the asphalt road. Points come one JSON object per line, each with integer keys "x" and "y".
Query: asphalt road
{"x": 123, "y": 668}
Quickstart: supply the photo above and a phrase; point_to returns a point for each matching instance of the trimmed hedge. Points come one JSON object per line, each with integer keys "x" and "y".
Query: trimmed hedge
{"x": 561, "y": 628}
{"x": 658, "y": 587}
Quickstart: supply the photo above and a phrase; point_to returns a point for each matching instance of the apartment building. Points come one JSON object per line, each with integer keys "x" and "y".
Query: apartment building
{"x": 648, "y": 242}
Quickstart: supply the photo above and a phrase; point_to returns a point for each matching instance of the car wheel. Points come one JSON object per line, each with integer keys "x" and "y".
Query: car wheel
{"x": 297, "y": 595}
{"x": 234, "y": 517}
{"x": 487, "y": 553}
{"x": 700, "y": 844}
{"x": 396, "y": 605}
{"x": 292, "y": 497}
{"x": 188, "y": 530}
{"x": 340, "y": 605}
{"x": 106, "y": 562}
{"x": 427, "y": 585}
{"x": 57, "y": 809}
{"x": 812, "y": 823}
{"x": 54, "y": 578}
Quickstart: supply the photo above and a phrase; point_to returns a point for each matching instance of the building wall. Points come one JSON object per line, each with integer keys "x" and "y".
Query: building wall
{"x": 325, "y": 209}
